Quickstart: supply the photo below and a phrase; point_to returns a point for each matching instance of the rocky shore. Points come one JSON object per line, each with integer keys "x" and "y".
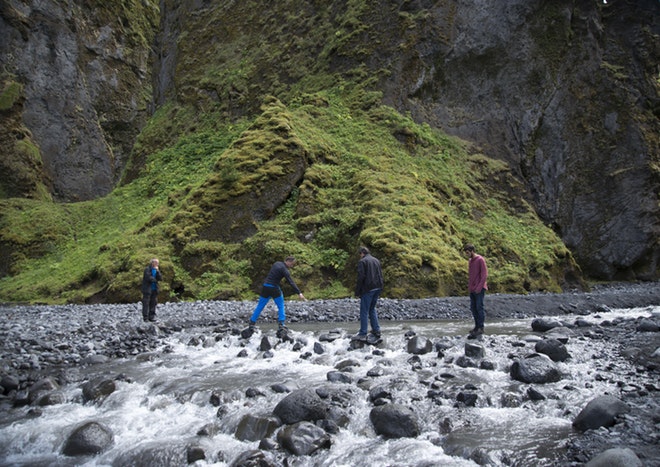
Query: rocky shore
{"x": 40, "y": 341}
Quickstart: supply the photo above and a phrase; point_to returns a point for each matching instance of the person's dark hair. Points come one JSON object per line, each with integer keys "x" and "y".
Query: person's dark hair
{"x": 468, "y": 247}
{"x": 363, "y": 250}
{"x": 289, "y": 259}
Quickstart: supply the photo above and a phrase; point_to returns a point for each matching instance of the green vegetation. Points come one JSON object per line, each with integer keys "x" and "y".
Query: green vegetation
{"x": 277, "y": 143}
{"x": 365, "y": 175}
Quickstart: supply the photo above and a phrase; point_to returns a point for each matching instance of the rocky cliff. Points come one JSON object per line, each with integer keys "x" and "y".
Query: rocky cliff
{"x": 565, "y": 92}
{"x": 83, "y": 75}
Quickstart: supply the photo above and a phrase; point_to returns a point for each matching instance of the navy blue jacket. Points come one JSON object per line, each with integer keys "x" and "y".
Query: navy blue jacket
{"x": 148, "y": 279}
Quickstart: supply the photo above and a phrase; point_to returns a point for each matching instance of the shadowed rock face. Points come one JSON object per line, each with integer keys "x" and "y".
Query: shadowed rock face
{"x": 565, "y": 93}
{"x": 83, "y": 78}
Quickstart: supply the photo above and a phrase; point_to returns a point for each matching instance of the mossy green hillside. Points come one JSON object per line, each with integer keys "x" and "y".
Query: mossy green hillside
{"x": 345, "y": 175}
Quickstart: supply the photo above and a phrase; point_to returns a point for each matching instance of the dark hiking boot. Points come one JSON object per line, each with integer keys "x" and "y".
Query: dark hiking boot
{"x": 359, "y": 337}
{"x": 282, "y": 331}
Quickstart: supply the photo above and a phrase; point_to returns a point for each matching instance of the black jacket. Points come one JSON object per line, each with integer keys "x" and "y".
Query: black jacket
{"x": 278, "y": 272}
{"x": 148, "y": 279}
{"x": 370, "y": 275}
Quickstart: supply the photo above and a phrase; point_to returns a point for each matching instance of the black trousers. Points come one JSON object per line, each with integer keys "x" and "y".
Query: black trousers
{"x": 149, "y": 302}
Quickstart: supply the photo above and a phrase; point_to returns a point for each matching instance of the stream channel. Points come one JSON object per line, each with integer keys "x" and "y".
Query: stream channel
{"x": 162, "y": 402}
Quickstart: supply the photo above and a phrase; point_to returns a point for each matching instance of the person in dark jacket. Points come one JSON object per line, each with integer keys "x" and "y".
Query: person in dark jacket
{"x": 150, "y": 280}
{"x": 368, "y": 288}
{"x": 271, "y": 289}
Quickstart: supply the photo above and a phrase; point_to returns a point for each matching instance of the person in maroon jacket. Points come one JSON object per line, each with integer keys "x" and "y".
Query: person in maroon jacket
{"x": 477, "y": 286}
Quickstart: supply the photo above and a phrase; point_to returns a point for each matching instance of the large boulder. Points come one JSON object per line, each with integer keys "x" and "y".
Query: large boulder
{"x": 545, "y": 324}
{"x": 164, "y": 454}
{"x": 40, "y": 388}
{"x": 254, "y": 428}
{"x": 255, "y": 458}
{"x": 554, "y": 349}
{"x": 88, "y": 439}
{"x": 303, "y": 439}
{"x": 615, "y": 457}
{"x": 301, "y": 405}
{"x": 394, "y": 421}
{"x": 419, "y": 345}
{"x": 601, "y": 411}
{"x": 98, "y": 389}
{"x": 535, "y": 368}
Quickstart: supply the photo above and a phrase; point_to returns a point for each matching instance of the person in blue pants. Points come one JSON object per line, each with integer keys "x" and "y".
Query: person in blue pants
{"x": 271, "y": 289}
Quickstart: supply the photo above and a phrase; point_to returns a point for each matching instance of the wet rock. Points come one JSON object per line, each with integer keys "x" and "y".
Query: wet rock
{"x": 380, "y": 392}
{"x": 9, "y": 383}
{"x": 615, "y": 457}
{"x": 474, "y": 350}
{"x": 562, "y": 334}
{"x": 318, "y": 348}
{"x": 330, "y": 336}
{"x": 394, "y": 421}
{"x": 468, "y": 399}
{"x": 303, "y": 438}
{"x": 418, "y": 345}
{"x": 251, "y": 393}
{"x": 194, "y": 454}
{"x": 50, "y": 398}
{"x": 300, "y": 405}
{"x": 510, "y": 400}
{"x": 601, "y": 411}
{"x": 553, "y": 348}
{"x": 338, "y": 377}
{"x": 157, "y": 454}
{"x": 88, "y": 439}
{"x": 254, "y": 428}
{"x": 265, "y": 344}
{"x": 647, "y": 325}
{"x": 338, "y": 416}
{"x": 345, "y": 364}
{"x": 535, "y": 368}
{"x": 376, "y": 371}
{"x": 40, "y": 388}
{"x": 280, "y": 388}
{"x": 210, "y": 430}
{"x": 98, "y": 389}
{"x": 534, "y": 394}
{"x": 329, "y": 426}
{"x": 487, "y": 365}
{"x": 466, "y": 362}
{"x": 545, "y": 324}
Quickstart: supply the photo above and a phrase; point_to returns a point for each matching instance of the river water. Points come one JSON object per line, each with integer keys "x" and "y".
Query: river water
{"x": 162, "y": 399}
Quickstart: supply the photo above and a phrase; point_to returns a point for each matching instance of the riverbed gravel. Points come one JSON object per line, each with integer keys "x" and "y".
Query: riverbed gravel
{"x": 39, "y": 340}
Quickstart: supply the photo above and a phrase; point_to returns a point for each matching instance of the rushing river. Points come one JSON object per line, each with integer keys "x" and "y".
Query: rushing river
{"x": 162, "y": 399}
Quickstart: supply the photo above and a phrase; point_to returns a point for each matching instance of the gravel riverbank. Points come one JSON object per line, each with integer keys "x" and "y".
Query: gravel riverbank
{"x": 39, "y": 341}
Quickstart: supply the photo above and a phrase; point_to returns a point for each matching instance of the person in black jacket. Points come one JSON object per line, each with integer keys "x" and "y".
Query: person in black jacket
{"x": 271, "y": 289}
{"x": 150, "y": 280}
{"x": 368, "y": 288}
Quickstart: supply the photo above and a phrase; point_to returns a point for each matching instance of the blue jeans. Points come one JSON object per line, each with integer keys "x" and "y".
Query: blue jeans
{"x": 477, "y": 308}
{"x": 368, "y": 312}
{"x": 268, "y": 292}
